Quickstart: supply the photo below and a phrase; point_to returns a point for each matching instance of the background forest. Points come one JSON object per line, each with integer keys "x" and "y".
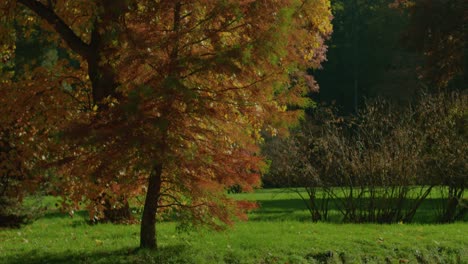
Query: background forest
{"x": 380, "y": 165}
{"x": 390, "y": 124}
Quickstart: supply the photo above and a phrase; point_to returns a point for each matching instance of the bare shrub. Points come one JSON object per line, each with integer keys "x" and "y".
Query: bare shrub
{"x": 380, "y": 165}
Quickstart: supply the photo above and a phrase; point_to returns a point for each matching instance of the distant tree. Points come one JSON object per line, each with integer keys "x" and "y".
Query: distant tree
{"x": 437, "y": 29}
{"x": 165, "y": 97}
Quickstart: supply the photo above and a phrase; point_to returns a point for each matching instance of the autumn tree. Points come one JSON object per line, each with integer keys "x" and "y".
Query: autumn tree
{"x": 178, "y": 94}
{"x": 437, "y": 29}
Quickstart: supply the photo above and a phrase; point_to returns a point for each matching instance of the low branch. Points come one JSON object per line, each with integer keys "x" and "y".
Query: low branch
{"x": 65, "y": 32}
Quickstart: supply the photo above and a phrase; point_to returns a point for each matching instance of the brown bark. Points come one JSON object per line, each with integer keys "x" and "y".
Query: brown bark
{"x": 148, "y": 221}
{"x": 66, "y": 33}
{"x": 101, "y": 73}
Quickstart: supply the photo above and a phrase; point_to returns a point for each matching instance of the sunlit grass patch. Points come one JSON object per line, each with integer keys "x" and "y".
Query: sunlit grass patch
{"x": 278, "y": 232}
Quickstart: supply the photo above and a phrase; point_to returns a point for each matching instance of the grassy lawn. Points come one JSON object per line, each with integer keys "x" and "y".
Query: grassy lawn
{"x": 278, "y": 232}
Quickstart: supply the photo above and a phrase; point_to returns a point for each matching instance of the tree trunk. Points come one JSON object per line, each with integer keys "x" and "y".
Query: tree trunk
{"x": 102, "y": 78}
{"x": 119, "y": 215}
{"x": 101, "y": 73}
{"x": 148, "y": 221}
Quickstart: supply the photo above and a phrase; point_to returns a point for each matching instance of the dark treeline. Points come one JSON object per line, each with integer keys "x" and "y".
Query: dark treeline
{"x": 365, "y": 56}
{"x": 381, "y": 49}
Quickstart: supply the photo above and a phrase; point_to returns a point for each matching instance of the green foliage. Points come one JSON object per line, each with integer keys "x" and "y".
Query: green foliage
{"x": 14, "y": 214}
{"x": 365, "y": 57}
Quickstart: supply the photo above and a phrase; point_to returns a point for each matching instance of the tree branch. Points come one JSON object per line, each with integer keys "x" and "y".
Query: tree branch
{"x": 67, "y": 34}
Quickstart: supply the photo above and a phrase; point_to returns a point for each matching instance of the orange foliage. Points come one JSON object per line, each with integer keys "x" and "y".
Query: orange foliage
{"x": 188, "y": 85}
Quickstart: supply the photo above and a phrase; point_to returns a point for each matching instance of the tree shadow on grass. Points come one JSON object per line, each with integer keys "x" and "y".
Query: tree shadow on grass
{"x": 166, "y": 254}
{"x": 59, "y": 214}
{"x": 295, "y": 209}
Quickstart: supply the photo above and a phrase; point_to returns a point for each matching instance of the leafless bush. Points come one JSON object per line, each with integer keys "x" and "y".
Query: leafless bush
{"x": 380, "y": 165}
{"x": 444, "y": 118}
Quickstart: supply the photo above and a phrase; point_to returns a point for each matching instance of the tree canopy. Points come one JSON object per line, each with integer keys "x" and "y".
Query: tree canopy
{"x": 163, "y": 97}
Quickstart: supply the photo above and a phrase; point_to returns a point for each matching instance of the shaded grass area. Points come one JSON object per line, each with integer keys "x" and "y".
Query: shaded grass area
{"x": 286, "y": 204}
{"x": 276, "y": 234}
{"x": 294, "y": 209}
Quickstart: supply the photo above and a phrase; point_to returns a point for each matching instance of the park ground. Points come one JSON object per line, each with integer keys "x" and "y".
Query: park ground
{"x": 278, "y": 232}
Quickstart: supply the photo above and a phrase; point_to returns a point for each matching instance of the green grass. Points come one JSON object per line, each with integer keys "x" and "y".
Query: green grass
{"x": 277, "y": 233}
{"x": 286, "y": 204}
